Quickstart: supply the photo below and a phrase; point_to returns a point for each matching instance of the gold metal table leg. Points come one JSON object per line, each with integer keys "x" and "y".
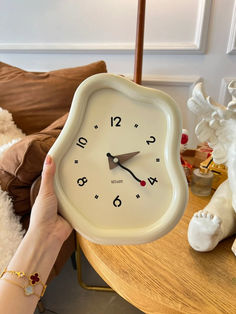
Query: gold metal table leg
{"x": 79, "y": 274}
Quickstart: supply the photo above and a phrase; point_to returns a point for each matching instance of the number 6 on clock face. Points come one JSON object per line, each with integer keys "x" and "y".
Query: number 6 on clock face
{"x": 118, "y": 177}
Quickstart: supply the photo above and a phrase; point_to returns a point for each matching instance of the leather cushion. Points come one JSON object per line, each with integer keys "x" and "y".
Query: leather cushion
{"x": 36, "y": 99}
{"x": 22, "y": 163}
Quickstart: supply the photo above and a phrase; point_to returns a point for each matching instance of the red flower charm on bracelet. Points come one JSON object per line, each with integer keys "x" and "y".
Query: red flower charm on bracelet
{"x": 34, "y": 278}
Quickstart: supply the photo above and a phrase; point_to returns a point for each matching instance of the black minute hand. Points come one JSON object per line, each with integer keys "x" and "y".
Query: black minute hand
{"x": 116, "y": 160}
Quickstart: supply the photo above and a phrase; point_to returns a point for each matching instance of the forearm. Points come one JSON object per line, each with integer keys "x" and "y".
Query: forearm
{"x": 36, "y": 253}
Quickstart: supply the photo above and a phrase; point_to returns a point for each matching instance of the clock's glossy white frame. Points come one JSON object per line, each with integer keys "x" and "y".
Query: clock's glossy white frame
{"x": 174, "y": 124}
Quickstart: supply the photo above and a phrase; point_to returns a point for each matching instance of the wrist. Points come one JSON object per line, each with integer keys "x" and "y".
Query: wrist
{"x": 36, "y": 253}
{"x": 41, "y": 236}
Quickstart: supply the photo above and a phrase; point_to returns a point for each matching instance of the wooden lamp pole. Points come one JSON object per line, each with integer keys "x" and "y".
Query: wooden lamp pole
{"x": 139, "y": 42}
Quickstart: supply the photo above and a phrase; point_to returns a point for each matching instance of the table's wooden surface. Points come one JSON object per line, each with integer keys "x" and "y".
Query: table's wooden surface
{"x": 167, "y": 276}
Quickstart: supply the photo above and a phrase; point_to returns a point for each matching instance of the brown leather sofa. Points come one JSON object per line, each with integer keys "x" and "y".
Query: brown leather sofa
{"x": 39, "y": 103}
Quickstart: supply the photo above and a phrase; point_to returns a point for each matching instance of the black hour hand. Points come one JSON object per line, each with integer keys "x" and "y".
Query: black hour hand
{"x": 116, "y": 161}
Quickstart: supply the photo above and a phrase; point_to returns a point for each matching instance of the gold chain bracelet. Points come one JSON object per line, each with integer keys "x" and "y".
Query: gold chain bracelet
{"x": 33, "y": 280}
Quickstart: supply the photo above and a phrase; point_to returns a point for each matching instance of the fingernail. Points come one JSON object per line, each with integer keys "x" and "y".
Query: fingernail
{"x": 48, "y": 160}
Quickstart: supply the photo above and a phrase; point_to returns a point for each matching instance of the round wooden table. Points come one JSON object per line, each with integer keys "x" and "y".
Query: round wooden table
{"x": 167, "y": 276}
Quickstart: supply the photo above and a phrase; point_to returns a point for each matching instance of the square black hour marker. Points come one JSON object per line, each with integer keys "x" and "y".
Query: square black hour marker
{"x": 96, "y": 196}
{"x": 76, "y": 161}
{"x": 136, "y": 125}
{"x": 138, "y": 196}
{"x": 96, "y": 127}
{"x": 157, "y": 159}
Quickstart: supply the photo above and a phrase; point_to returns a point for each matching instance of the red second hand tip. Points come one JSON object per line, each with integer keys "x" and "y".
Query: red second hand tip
{"x": 142, "y": 183}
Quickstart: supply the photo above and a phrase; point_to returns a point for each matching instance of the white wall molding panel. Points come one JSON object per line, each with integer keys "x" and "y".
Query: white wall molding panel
{"x": 185, "y": 40}
{"x": 231, "y": 49}
{"x": 188, "y": 38}
{"x": 185, "y": 80}
{"x": 224, "y": 96}
{"x": 180, "y": 88}
{"x": 202, "y": 25}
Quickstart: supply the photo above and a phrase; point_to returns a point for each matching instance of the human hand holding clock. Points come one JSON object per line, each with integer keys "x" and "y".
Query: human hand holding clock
{"x": 119, "y": 179}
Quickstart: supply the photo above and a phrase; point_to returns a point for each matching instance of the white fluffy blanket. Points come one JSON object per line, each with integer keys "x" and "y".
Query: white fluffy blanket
{"x": 11, "y": 232}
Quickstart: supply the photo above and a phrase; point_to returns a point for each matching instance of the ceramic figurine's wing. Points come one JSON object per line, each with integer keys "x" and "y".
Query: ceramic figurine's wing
{"x": 198, "y": 103}
{"x": 211, "y": 128}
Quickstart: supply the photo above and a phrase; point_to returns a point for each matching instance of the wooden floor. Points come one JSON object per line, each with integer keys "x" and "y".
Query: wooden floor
{"x": 64, "y": 295}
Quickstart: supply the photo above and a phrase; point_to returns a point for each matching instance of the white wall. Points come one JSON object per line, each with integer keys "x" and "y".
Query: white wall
{"x": 185, "y": 40}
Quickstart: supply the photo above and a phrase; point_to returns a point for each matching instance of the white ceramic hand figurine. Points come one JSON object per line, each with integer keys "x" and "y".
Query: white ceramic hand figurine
{"x": 217, "y": 220}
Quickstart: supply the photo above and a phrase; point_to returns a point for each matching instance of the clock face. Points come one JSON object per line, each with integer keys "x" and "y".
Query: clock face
{"x": 115, "y": 174}
{"x": 117, "y": 125}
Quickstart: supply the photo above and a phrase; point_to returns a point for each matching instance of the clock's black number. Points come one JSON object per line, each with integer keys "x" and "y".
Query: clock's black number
{"x": 82, "y": 181}
{"x": 152, "y": 180}
{"x": 117, "y": 202}
{"x": 151, "y": 141}
{"x": 115, "y": 121}
{"x": 82, "y": 141}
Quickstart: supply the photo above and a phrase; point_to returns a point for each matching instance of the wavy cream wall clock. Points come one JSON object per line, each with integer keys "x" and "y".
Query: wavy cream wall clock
{"x": 118, "y": 174}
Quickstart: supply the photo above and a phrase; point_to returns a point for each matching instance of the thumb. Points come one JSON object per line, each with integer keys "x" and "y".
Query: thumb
{"x": 49, "y": 168}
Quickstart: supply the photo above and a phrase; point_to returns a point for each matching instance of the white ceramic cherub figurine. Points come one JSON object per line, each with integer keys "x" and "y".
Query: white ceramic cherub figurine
{"x": 217, "y": 220}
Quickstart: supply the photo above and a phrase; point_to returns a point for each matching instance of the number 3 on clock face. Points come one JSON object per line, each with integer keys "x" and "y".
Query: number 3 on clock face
{"x": 119, "y": 179}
